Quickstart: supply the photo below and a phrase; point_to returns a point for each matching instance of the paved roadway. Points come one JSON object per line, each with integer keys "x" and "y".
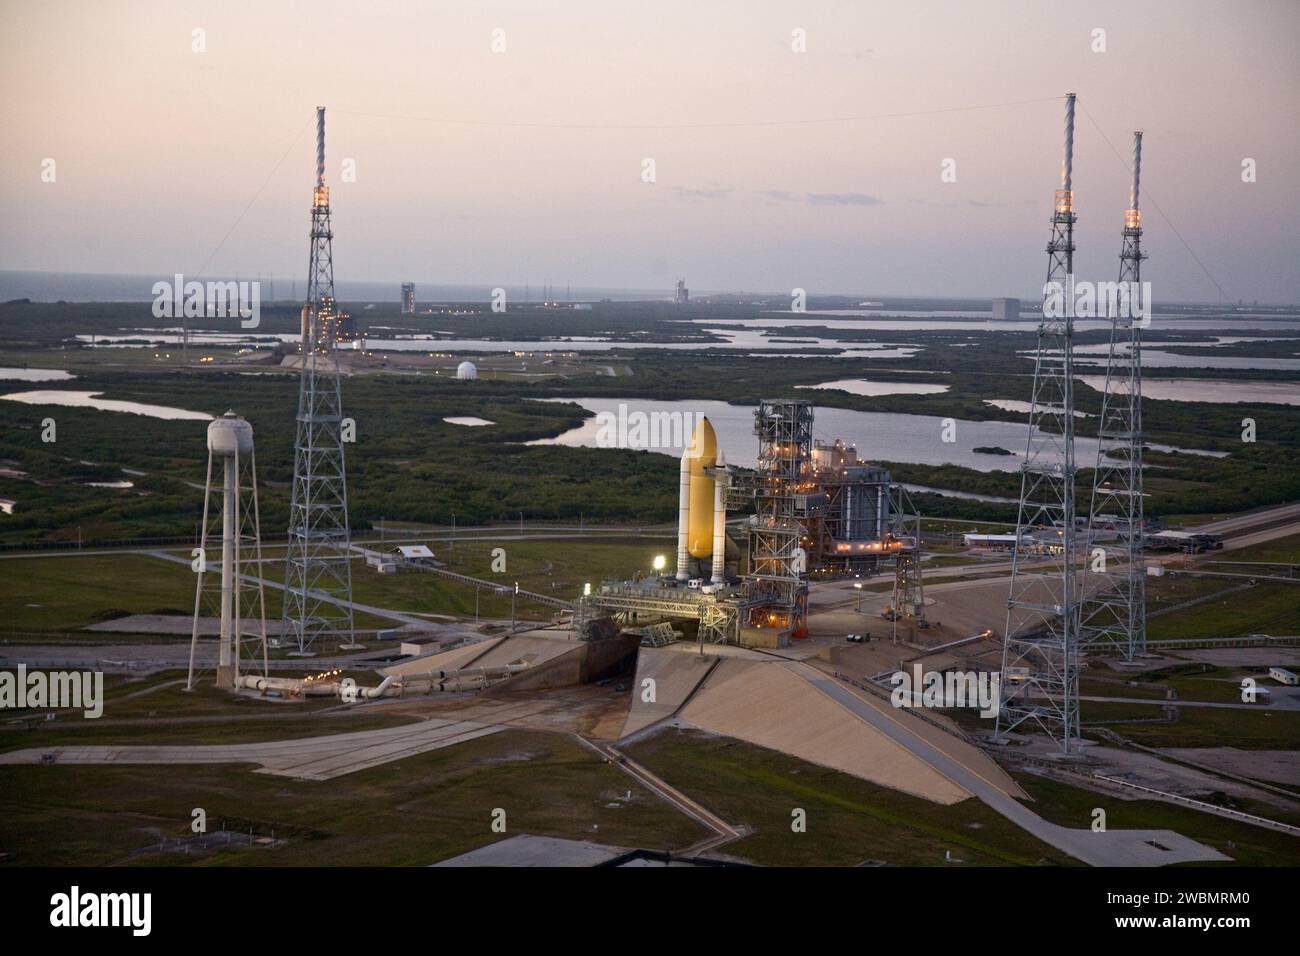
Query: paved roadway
{"x": 310, "y": 758}
{"x": 1238, "y": 523}
{"x": 1277, "y": 702}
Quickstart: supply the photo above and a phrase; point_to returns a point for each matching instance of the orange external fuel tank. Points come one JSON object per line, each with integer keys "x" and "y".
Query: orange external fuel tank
{"x": 704, "y": 455}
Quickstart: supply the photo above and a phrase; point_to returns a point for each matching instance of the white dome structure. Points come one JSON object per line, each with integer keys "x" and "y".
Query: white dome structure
{"x": 466, "y": 372}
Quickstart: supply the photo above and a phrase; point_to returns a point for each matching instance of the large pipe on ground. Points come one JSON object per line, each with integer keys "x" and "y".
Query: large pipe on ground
{"x": 372, "y": 692}
{"x": 392, "y": 684}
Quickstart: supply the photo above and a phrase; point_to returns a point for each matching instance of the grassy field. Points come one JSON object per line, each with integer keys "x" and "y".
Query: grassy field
{"x": 1262, "y": 729}
{"x": 409, "y": 813}
{"x": 848, "y": 820}
{"x": 158, "y": 710}
{"x": 68, "y": 592}
{"x": 245, "y": 729}
{"x": 1222, "y": 684}
{"x": 558, "y": 567}
{"x": 1267, "y": 608}
{"x": 1190, "y": 681}
{"x": 1283, "y": 550}
{"x": 1097, "y": 687}
{"x": 62, "y": 594}
{"x": 1251, "y": 845}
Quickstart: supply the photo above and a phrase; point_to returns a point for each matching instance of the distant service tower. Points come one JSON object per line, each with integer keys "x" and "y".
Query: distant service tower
{"x": 240, "y": 604}
{"x": 1114, "y": 612}
{"x": 318, "y": 569}
{"x": 683, "y": 294}
{"x": 1042, "y": 633}
{"x": 408, "y": 298}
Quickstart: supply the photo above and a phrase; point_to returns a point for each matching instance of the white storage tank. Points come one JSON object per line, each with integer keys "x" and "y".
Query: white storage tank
{"x": 466, "y": 372}
{"x": 228, "y": 433}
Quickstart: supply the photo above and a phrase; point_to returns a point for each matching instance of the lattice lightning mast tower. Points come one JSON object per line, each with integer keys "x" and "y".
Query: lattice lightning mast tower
{"x": 318, "y": 571}
{"x": 1114, "y": 614}
{"x": 1041, "y": 647}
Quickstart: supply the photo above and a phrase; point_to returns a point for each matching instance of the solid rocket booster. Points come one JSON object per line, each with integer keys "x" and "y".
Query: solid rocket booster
{"x": 704, "y": 457}
{"x": 720, "y": 482}
{"x": 684, "y": 517}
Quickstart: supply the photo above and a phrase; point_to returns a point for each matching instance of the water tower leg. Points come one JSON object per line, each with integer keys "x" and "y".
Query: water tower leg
{"x": 229, "y": 525}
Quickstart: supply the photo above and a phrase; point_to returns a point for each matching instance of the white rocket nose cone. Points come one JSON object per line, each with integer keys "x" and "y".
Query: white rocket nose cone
{"x": 722, "y": 458}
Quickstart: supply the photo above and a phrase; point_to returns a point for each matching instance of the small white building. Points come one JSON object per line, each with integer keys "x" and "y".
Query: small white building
{"x": 1283, "y": 676}
{"x": 411, "y": 551}
{"x": 996, "y": 542}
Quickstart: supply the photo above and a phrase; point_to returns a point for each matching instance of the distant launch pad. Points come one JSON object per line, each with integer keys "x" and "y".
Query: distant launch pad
{"x": 817, "y": 509}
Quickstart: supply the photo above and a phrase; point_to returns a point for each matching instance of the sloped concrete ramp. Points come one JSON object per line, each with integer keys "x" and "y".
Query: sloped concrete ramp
{"x": 525, "y": 649}
{"x": 451, "y": 660}
{"x": 769, "y": 704}
{"x": 676, "y": 673}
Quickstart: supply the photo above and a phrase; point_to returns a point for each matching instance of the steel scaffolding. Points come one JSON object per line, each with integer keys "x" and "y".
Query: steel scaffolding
{"x": 318, "y": 569}
{"x": 1114, "y": 612}
{"x": 1042, "y": 632}
{"x": 778, "y": 560}
{"x": 908, "y": 598}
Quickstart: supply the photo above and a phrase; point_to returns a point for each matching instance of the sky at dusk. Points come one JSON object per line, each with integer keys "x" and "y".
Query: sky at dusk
{"x": 773, "y": 168}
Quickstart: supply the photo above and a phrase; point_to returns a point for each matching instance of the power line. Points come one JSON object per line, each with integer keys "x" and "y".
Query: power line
{"x": 1151, "y": 200}
{"x": 265, "y": 183}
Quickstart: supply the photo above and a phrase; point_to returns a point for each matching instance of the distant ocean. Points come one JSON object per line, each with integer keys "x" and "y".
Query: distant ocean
{"x": 103, "y": 287}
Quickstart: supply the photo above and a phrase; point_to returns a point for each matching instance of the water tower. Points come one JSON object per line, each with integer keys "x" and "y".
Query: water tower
{"x": 232, "y": 590}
